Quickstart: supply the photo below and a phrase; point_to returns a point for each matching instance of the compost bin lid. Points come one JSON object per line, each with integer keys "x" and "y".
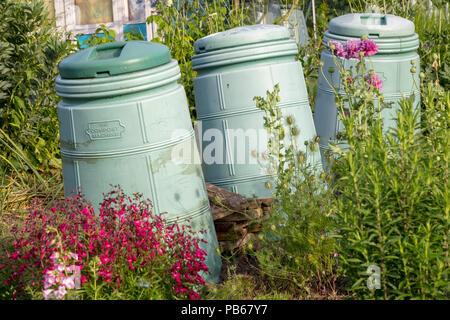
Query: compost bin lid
{"x": 241, "y": 36}
{"x": 114, "y": 58}
{"x": 372, "y": 25}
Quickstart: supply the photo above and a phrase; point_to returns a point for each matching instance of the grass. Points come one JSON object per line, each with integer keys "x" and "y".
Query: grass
{"x": 243, "y": 279}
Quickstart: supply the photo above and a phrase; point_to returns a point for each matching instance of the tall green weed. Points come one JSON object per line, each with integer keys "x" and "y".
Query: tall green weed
{"x": 297, "y": 243}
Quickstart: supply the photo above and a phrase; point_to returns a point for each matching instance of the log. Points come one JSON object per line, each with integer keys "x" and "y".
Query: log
{"x": 236, "y": 233}
{"x": 236, "y": 218}
{"x": 266, "y": 202}
{"x": 219, "y": 213}
{"x": 224, "y": 226}
{"x": 231, "y": 245}
{"x": 227, "y": 198}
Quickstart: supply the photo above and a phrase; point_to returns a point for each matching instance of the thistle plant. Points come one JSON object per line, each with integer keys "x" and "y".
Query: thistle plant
{"x": 297, "y": 249}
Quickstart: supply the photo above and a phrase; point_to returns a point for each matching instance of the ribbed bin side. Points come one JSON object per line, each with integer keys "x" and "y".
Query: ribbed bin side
{"x": 130, "y": 130}
{"x": 234, "y": 67}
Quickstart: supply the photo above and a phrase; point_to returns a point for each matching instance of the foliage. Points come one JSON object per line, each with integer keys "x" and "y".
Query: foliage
{"x": 101, "y": 35}
{"x": 309, "y": 56}
{"x": 181, "y": 23}
{"x": 31, "y": 49}
{"x": 297, "y": 249}
{"x": 124, "y": 252}
{"x": 434, "y": 46}
{"x": 392, "y": 186}
{"x": 133, "y": 34}
{"x": 104, "y": 35}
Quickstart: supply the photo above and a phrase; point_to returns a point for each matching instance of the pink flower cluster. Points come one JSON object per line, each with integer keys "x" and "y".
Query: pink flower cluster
{"x": 61, "y": 277}
{"x": 374, "y": 80}
{"x": 124, "y": 237}
{"x": 353, "y": 48}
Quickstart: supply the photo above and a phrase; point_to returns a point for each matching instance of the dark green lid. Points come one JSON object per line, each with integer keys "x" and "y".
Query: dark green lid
{"x": 114, "y": 58}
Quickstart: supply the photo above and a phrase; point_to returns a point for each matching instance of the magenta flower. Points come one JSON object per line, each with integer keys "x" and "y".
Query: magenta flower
{"x": 374, "y": 80}
{"x": 125, "y": 235}
{"x": 352, "y": 49}
{"x": 369, "y": 47}
{"x": 338, "y": 48}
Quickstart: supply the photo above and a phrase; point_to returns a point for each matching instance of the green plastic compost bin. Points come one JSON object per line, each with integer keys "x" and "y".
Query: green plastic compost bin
{"x": 233, "y": 67}
{"x": 397, "y": 43}
{"x": 122, "y": 119}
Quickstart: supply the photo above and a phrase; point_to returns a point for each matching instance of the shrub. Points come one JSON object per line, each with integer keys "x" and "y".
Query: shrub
{"x": 392, "y": 185}
{"x": 125, "y": 252}
{"x": 30, "y": 50}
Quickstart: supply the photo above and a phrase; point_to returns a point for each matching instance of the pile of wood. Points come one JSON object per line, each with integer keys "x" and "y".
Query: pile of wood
{"x": 236, "y": 218}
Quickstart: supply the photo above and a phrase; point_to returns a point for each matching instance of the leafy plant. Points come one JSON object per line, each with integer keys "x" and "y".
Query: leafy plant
{"x": 31, "y": 49}
{"x": 101, "y": 35}
{"x": 434, "y": 46}
{"x": 297, "y": 249}
{"x": 392, "y": 186}
{"x": 133, "y": 34}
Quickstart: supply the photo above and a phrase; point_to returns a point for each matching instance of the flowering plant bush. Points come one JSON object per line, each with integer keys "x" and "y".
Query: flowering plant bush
{"x": 124, "y": 252}
{"x": 360, "y": 87}
{"x": 392, "y": 185}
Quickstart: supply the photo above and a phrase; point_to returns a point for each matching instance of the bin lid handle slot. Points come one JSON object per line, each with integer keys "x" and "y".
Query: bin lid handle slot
{"x": 107, "y": 51}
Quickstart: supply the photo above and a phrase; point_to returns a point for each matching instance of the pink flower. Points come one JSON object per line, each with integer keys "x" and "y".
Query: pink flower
{"x": 352, "y": 49}
{"x": 69, "y": 282}
{"x": 61, "y": 292}
{"x": 60, "y": 267}
{"x": 54, "y": 256}
{"x": 369, "y": 47}
{"x": 49, "y": 280}
{"x": 374, "y": 81}
{"x": 338, "y": 48}
{"x": 48, "y": 294}
{"x": 176, "y": 276}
